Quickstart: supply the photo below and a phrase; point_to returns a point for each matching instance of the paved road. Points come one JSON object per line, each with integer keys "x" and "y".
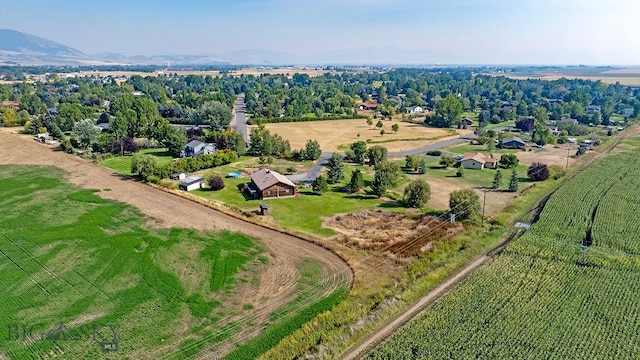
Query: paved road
{"x": 239, "y": 120}
{"x": 314, "y": 172}
{"x": 317, "y": 168}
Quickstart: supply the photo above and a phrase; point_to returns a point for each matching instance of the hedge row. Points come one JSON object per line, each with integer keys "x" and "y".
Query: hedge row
{"x": 200, "y": 162}
{"x": 304, "y": 119}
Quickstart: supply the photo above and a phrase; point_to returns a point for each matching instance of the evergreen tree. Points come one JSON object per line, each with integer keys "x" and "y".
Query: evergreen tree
{"x": 497, "y": 180}
{"x": 320, "y": 185}
{"x": 356, "y": 182}
{"x": 335, "y": 169}
{"x": 514, "y": 183}
{"x": 422, "y": 166}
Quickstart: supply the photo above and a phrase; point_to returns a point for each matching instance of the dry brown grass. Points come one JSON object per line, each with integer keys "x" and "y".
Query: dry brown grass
{"x": 393, "y": 234}
{"x": 333, "y": 133}
{"x": 550, "y": 155}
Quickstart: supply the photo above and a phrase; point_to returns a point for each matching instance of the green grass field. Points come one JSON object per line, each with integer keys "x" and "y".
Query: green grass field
{"x": 122, "y": 164}
{"x": 70, "y": 257}
{"x": 541, "y": 298}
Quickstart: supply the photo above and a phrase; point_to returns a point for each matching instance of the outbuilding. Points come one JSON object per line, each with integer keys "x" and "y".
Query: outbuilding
{"x": 191, "y": 183}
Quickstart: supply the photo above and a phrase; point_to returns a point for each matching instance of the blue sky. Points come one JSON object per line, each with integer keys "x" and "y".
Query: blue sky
{"x": 434, "y": 31}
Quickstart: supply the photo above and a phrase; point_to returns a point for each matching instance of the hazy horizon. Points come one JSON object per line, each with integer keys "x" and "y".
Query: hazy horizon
{"x": 365, "y": 31}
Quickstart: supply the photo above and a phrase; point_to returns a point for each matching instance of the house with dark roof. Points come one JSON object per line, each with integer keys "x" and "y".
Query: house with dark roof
{"x": 197, "y": 147}
{"x": 466, "y": 121}
{"x": 267, "y": 184}
{"x": 592, "y": 109}
{"x": 513, "y": 142}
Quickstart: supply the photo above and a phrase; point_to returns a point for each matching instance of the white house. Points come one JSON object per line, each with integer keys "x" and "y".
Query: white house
{"x": 478, "y": 161}
{"x": 191, "y": 183}
{"x": 414, "y": 109}
{"x": 197, "y": 147}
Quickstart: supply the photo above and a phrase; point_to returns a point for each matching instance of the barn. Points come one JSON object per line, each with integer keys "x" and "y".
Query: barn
{"x": 270, "y": 184}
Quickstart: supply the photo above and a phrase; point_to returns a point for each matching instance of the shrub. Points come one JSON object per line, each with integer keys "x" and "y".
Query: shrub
{"x": 556, "y": 172}
{"x": 538, "y": 172}
{"x": 508, "y": 161}
{"x": 447, "y": 161}
{"x": 434, "y": 153}
{"x": 460, "y": 172}
{"x": 216, "y": 183}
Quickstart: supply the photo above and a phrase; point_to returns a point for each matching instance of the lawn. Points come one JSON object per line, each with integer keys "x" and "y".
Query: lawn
{"x": 306, "y": 212}
{"x": 122, "y": 164}
{"x": 89, "y": 263}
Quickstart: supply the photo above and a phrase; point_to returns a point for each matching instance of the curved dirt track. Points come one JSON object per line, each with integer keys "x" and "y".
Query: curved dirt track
{"x": 277, "y": 281}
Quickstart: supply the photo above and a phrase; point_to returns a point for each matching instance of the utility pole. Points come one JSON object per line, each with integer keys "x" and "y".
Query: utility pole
{"x": 484, "y": 204}
{"x": 568, "y": 149}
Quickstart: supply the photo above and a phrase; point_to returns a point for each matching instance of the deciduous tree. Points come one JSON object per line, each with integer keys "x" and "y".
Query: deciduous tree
{"x": 465, "y": 204}
{"x": 416, "y": 194}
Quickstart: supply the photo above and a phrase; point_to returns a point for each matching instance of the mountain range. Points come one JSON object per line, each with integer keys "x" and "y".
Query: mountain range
{"x": 24, "y": 49}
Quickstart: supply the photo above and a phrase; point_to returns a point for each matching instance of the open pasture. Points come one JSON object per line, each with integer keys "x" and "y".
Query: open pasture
{"x": 338, "y": 134}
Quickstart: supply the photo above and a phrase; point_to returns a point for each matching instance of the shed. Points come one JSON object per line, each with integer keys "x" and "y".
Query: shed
{"x": 177, "y": 176}
{"x": 264, "y": 209}
{"x": 191, "y": 183}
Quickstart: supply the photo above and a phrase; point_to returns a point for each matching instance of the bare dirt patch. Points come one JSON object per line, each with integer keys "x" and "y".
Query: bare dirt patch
{"x": 550, "y": 155}
{"x": 393, "y": 234}
{"x": 333, "y": 133}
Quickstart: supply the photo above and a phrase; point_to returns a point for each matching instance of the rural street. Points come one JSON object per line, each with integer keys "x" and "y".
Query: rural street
{"x": 317, "y": 167}
{"x": 239, "y": 120}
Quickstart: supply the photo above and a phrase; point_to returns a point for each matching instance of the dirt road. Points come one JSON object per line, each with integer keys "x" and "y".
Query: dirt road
{"x": 407, "y": 315}
{"x": 278, "y": 280}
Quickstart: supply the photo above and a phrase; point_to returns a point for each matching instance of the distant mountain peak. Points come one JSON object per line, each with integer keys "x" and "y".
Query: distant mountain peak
{"x": 22, "y": 48}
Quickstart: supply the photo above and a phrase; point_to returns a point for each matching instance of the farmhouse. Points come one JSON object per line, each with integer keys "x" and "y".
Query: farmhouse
{"x": 11, "y": 104}
{"x": 191, "y": 183}
{"x": 592, "y": 109}
{"x": 569, "y": 121}
{"x": 369, "y": 105}
{"x": 478, "y": 161}
{"x": 414, "y": 109}
{"x": 627, "y": 111}
{"x": 513, "y": 143}
{"x": 197, "y": 147}
{"x": 266, "y": 184}
{"x": 466, "y": 121}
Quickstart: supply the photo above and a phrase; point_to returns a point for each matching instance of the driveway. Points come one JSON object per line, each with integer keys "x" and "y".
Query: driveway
{"x": 315, "y": 171}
